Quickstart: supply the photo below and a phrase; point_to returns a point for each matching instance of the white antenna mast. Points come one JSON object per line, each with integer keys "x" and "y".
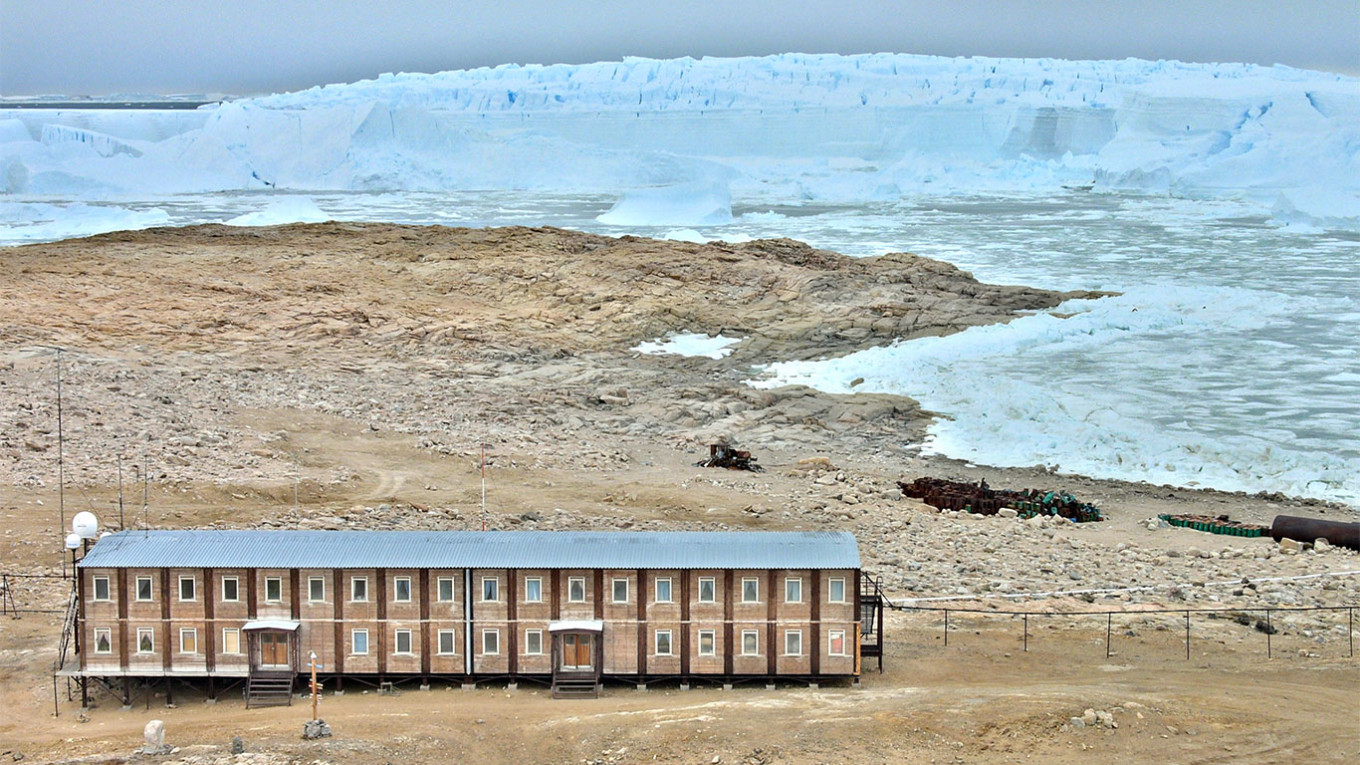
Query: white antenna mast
{"x": 483, "y": 485}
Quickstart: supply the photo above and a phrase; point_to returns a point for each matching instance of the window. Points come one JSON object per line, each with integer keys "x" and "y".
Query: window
{"x": 707, "y": 588}
{"x": 101, "y": 588}
{"x": 358, "y": 590}
{"x": 188, "y": 640}
{"x": 620, "y": 590}
{"x": 750, "y": 590}
{"x": 231, "y": 640}
{"x": 576, "y": 589}
{"x": 793, "y": 590}
{"x": 533, "y": 642}
{"x": 445, "y": 594}
{"x": 533, "y": 589}
{"x": 663, "y": 590}
{"x": 144, "y": 588}
{"x": 707, "y": 642}
{"x": 187, "y": 588}
{"x": 793, "y": 643}
{"x": 273, "y": 589}
{"x": 316, "y": 589}
{"x": 358, "y": 640}
{"x": 836, "y": 642}
{"x": 103, "y": 640}
{"x": 231, "y": 589}
{"x": 491, "y": 642}
{"x": 750, "y": 643}
{"x": 403, "y": 642}
{"x": 447, "y": 644}
{"x": 836, "y": 592}
{"x": 402, "y": 589}
{"x": 491, "y": 589}
{"x": 663, "y": 642}
{"x": 146, "y": 640}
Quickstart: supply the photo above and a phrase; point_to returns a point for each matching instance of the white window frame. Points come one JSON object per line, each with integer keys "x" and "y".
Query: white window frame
{"x": 150, "y": 635}
{"x": 754, "y": 636}
{"x": 831, "y": 638}
{"x": 793, "y": 636}
{"x": 192, "y": 634}
{"x": 236, "y": 583}
{"x": 150, "y": 590}
{"x": 439, "y": 589}
{"x": 312, "y": 581}
{"x": 669, "y": 638}
{"x": 396, "y": 643}
{"x": 453, "y": 642}
{"x": 614, "y": 590}
{"x": 355, "y": 584}
{"x": 529, "y": 649}
{"x": 268, "y": 580}
{"x": 354, "y": 636}
{"x": 95, "y": 582}
{"x": 754, "y": 584}
{"x": 236, "y": 636}
{"x": 396, "y": 589}
{"x": 491, "y": 585}
{"x": 831, "y": 589}
{"x": 670, "y": 591}
{"x": 712, "y": 583}
{"x": 712, "y": 636}
{"x": 193, "y": 588}
{"x": 491, "y": 636}
{"x": 792, "y": 583}
{"x": 531, "y": 583}
{"x": 574, "y": 582}
{"x": 108, "y": 639}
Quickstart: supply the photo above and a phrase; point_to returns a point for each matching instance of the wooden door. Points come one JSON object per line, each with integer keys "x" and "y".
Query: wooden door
{"x": 577, "y": 652}
{"x": 273, "y": 649}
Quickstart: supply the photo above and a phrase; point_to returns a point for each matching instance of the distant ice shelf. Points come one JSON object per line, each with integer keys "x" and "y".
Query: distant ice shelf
{"x": 803, "y": 128}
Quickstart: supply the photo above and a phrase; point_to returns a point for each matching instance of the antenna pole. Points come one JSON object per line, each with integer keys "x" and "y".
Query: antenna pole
{"x": 483, "y": 486}
{"x": 122, "y": 524}
{"x": 61, "y": 463}
{"x": 146, "y": 488}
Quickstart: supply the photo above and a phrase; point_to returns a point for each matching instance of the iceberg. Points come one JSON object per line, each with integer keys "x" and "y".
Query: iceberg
{"x": 687, "y": 205}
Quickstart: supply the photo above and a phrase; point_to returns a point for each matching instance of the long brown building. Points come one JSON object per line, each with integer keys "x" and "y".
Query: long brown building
{"x": 570, "y": 608}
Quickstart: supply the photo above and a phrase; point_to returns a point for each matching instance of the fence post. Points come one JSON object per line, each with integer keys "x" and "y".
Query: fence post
{"x": 1187, "y": 634}
{"x": 1027, "y": 635}
{"x": 946, "y": 628}
{"x": 1350, "y": 629}
{"x": 1269, "y": 630}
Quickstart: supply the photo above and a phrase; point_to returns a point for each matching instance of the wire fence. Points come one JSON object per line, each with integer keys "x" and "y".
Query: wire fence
{"x": 9, "y": 602}
{"x": 1240, "y": 615}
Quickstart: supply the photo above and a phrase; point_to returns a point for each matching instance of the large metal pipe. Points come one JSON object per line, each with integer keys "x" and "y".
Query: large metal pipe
{"x": 1312, "y": 529}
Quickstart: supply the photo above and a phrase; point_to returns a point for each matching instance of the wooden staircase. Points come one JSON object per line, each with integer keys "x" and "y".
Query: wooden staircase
{"x": 269, "y": 689}
{"x": 575, "y": 688}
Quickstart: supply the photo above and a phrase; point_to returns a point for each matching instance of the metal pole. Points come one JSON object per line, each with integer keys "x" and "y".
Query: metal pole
{"x": 122, "y": 524}
{"x": 56, "y": 702}
{"x": 1269, "y": 629}
{"x": 1109, "y": 622}
{"x": 61, "y": 463}
{"x": 946, "y": 627}
{"x": 483, "y": 486}
{"x": 1187, "y": 635}
{"x": 1350, "y": 628}
{"x": 1026, "y": 633}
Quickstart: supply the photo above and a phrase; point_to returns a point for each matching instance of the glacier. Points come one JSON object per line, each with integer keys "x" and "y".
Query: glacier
{"x": 823, "y": 128}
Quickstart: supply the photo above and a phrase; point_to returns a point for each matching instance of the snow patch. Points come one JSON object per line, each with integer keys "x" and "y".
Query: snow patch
{"x": 712, "y": 347}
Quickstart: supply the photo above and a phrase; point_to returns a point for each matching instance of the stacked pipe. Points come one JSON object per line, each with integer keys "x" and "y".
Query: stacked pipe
{"x": 1310, "y": 530}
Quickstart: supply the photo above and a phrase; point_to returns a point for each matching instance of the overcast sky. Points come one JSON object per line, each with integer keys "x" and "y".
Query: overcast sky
{"x": 90, "y": 47}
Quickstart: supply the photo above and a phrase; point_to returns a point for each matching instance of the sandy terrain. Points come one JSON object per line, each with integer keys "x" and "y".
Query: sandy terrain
{"x": 342, "y": 376}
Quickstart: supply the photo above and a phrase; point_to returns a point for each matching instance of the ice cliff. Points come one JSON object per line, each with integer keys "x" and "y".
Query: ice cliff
{"x": 788, "y": 127}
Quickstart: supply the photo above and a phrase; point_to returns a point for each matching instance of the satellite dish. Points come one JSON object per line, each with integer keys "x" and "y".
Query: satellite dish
{"x": 85, "y": 525}
{"x": 72, "y": 541}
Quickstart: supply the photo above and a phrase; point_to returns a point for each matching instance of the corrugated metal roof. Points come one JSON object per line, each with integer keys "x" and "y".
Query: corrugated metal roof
{"x": 475, "y": 549}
